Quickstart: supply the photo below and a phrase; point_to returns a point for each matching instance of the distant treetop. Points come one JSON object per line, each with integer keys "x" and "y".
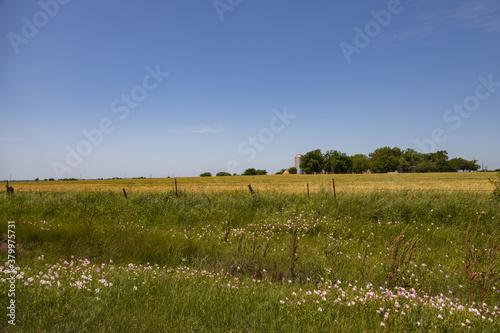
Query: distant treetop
{"x": 383, "y": 160}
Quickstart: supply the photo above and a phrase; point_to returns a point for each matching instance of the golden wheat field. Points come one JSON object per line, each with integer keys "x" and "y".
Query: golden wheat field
{"x": 477, "y": 181}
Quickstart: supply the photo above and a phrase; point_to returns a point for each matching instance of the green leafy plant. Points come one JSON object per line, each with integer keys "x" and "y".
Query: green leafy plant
{"x": 496, "y": 183}
{"x": 293, "y": 248}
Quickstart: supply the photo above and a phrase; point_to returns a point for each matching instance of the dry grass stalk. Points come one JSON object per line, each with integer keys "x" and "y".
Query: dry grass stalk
{"x": 477, "y": 268}
{"x": 399, "y": 260}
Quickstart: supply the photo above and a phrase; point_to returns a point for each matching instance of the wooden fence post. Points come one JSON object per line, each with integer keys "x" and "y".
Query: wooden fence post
{"x": 334, "y": 192}
{"x": 125, "y": 193}
{"x": 251, "y": 189}
{"x": 176, "y": 193}
{"x": 10, "y": 189}
{"x": 307, "y": 190}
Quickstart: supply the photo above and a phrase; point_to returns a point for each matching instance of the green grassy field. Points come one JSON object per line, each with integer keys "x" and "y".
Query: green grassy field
{"x": 406, "y": 260}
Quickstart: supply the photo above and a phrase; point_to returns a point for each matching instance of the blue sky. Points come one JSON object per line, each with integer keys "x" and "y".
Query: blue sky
{"x": 177, "y": 88}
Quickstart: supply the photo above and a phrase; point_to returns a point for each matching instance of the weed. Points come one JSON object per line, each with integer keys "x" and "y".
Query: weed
{"x": 363, "y": 268}
{"x": 293, "y": 248}
{"x": 255, "y": 265}
{"x": 496, "y": 183}
{"x": 400, "y": 260}
{"x": 482, "y": 261}
{"x": 175, "y": 262}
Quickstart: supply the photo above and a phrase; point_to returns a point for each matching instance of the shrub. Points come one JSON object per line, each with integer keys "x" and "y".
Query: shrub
{"x": 253, "y": 172}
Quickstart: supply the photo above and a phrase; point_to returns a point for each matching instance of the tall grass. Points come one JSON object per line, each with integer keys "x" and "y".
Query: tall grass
{"x": 147, "y": 226}
{"x": 273, "y": 246}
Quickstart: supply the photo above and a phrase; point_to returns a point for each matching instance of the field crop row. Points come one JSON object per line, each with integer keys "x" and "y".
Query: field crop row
{"x": 477, "y": 181}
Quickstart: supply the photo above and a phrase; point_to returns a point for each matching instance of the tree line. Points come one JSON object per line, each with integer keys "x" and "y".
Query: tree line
{"x": 384, "y": 160}
{"x": 247, "y": 172}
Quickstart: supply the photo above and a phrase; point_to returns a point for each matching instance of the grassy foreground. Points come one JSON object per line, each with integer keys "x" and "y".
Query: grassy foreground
{"x": 379, "y": 261}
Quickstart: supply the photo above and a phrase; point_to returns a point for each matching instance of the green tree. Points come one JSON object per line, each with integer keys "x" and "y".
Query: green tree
{"x": 472, "y": 166}
{"x": 250, "y": 172}
{"x": 435, "y": 162}
{"x": 360, "y": 163}
{"x": 440, "y": 158}
{"x": 337, "y": 162}
{"x": 254, "y": 172}
{"x": 457, "y": 164}
{"x": 223, "y": 173}
{"x": 206, "y": 174}
{"x": 460, "y": 164}
{"x": 312, "y": 162}
{"x": 425, "y": 166}
{"x": 386, "y": 159}
{"x": 412, "y": 159}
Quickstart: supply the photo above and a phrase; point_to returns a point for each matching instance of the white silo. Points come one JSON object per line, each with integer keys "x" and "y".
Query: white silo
{"x": 298, "y": 158}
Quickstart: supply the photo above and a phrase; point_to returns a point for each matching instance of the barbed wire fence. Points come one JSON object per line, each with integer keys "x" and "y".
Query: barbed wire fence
{"x": 176, "y": 186}
{"x": 308, "y": 188}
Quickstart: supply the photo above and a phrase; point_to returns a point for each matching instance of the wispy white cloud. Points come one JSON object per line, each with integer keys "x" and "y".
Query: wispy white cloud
{"x": 483, "y": 15}
{"x": 420, "y": 32}
{"x": 200, "y": 129}
{"x": 479, "y": 15}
